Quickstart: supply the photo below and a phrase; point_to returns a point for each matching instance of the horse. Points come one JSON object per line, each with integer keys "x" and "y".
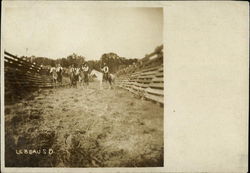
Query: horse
{"x": 59, "y": 76}
{"x": 74, "y": 77}
{"x": 54, "y": 76}
{"x": 83, "y": 78}
{"x": 99, "y": 76}
{"x": 86, "y": 78}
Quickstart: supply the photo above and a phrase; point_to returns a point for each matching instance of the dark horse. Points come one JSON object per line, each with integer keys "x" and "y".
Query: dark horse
{"x": 59, "y": 76}
{"x": 84, "y": 77}
{"x": 74, "y": 77}
{"x": 108, "y": 77}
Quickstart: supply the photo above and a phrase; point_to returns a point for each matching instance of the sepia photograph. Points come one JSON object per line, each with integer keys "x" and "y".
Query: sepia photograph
{"x": 83, "y": 87}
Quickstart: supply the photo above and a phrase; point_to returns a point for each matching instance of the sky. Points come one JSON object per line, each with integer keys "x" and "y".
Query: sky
{"x": 58, "y": 31}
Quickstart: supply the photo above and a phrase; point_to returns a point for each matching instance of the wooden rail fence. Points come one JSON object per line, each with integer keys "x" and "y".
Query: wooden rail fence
{"x": 148, "y": 83}
{"x": 21, "y": 75}
{"x": 145, "y": 79}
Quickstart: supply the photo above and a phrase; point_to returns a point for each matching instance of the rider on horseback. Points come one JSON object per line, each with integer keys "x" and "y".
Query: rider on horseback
{"x": 59, "y": 71}
{"x": 85, "y": 70}
{"x": 54, "y": 75}
{"x": 105, "y": 70}
{"x": 52, "y": 69}
{"x": 59, "y": 68}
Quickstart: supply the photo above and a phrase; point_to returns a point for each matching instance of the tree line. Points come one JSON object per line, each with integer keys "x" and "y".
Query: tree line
{"x": 113, "y": 61}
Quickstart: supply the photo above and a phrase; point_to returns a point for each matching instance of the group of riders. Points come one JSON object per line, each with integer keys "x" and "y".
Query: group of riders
{"x": 77, "y": 74}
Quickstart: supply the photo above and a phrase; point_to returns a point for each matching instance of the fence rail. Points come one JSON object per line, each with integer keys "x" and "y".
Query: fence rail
{"x": 146, "y": 79}
{"x": 21, "y": 76}
{"x": 148, "y": 83}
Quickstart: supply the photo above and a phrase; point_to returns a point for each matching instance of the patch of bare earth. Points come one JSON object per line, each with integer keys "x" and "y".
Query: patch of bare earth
{"x": 84, "y": 128}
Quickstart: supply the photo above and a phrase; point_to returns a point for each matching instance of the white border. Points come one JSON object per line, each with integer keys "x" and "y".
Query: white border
{"x": 205, "y": 134}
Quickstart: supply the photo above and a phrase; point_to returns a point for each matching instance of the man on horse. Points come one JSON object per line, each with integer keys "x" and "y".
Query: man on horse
{"x": 59, "y": 68}
{"x": 54, "y": 75}
{"x": 59, "y": 71}
{"x": 85, "y": 69}
{"x": 105, "y": 70}
{"x": 73, "y": 71}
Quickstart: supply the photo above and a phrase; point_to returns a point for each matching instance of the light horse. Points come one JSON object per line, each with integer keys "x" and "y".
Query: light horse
{"x": 99, "y": 76}
{"x": 54, "y": 76}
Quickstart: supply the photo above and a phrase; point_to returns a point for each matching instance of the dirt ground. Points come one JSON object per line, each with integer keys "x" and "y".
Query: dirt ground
{"x": 84, "y": 127}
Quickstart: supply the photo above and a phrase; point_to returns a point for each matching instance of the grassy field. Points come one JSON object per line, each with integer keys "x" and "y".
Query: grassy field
{"x": 79, "y": 127}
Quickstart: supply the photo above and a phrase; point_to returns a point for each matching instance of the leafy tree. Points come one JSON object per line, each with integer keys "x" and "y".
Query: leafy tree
{"x": 114, "y": 61}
